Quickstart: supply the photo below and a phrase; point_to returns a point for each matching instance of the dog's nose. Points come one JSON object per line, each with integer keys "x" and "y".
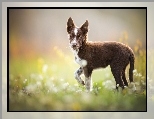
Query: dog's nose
{"x": 74, "y": 45}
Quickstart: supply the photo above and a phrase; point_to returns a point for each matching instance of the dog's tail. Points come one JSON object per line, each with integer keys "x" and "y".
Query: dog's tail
{"x": 132, "y": 61}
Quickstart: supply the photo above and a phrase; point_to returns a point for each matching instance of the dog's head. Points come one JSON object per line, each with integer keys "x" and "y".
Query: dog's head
{"x": 77, "y": 36}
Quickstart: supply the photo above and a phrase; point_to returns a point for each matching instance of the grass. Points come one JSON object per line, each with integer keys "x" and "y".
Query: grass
{"x": 48, "y": 84}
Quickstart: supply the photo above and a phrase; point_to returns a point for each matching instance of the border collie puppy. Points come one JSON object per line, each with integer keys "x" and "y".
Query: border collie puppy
{"x": 93, "y": 55}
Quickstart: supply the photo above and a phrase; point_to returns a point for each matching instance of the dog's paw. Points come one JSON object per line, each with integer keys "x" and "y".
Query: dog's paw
{"x": 82, "y": 83}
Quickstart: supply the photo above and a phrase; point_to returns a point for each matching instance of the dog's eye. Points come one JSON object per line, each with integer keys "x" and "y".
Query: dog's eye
{"x": 72, "y": 35}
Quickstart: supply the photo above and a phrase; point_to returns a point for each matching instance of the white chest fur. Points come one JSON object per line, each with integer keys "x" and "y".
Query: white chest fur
{"x": 78, "y": 60}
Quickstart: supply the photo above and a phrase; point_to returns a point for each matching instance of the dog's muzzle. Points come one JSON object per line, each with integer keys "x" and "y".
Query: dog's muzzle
{"x": 74, "y": 46}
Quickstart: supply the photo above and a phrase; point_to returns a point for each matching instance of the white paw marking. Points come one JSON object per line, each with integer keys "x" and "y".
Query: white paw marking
{"x": 88, "y": 84}
{"x": 117, "y": 85}
{"x": 125, "y": 87}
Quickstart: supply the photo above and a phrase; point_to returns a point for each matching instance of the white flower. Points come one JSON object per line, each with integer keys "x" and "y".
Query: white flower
{"x": 61, "y": 79}
{"x": 44, "y": 68}
{"x": 135, "y": 71}
{"x": 40, "y": 77}
{"x": 65, "y": 85}
{"x": 108, "y": 84}
{"x": 139, "y": 75}
{"x": 25, "y": 81}
{"x": 31, "y": 88}
{"x": 78, "y": 91}
{"x": 55, "y": 89}
{"x": 76, "y": 85}
{"x": 38, "y": 83}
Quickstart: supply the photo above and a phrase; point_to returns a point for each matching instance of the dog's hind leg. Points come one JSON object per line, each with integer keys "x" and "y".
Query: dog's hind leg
{"x": 118, "y": 77}
{"x": 77, "y": 76}
{"x": 124, "y": 78}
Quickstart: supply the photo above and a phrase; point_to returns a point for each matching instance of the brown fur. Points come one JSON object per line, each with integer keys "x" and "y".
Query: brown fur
{"x": 102, "y": 54}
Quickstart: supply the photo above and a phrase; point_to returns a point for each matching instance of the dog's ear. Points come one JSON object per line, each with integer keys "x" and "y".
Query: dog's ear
{"x": 84, "y": 27}
{"x": 70, "y": 25}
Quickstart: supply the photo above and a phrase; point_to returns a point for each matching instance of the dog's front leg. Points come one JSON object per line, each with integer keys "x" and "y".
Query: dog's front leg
{"x": 88, "y": 80}
{"x": 88, "y": 83}
{"x": 77, "y": 76}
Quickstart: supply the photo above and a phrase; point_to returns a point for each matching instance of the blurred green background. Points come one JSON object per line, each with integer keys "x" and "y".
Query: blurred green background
{"x": 41, "y": 65}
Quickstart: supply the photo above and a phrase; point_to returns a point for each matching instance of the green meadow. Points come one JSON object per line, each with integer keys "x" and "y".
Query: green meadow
{"x": 48, "y": 84}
